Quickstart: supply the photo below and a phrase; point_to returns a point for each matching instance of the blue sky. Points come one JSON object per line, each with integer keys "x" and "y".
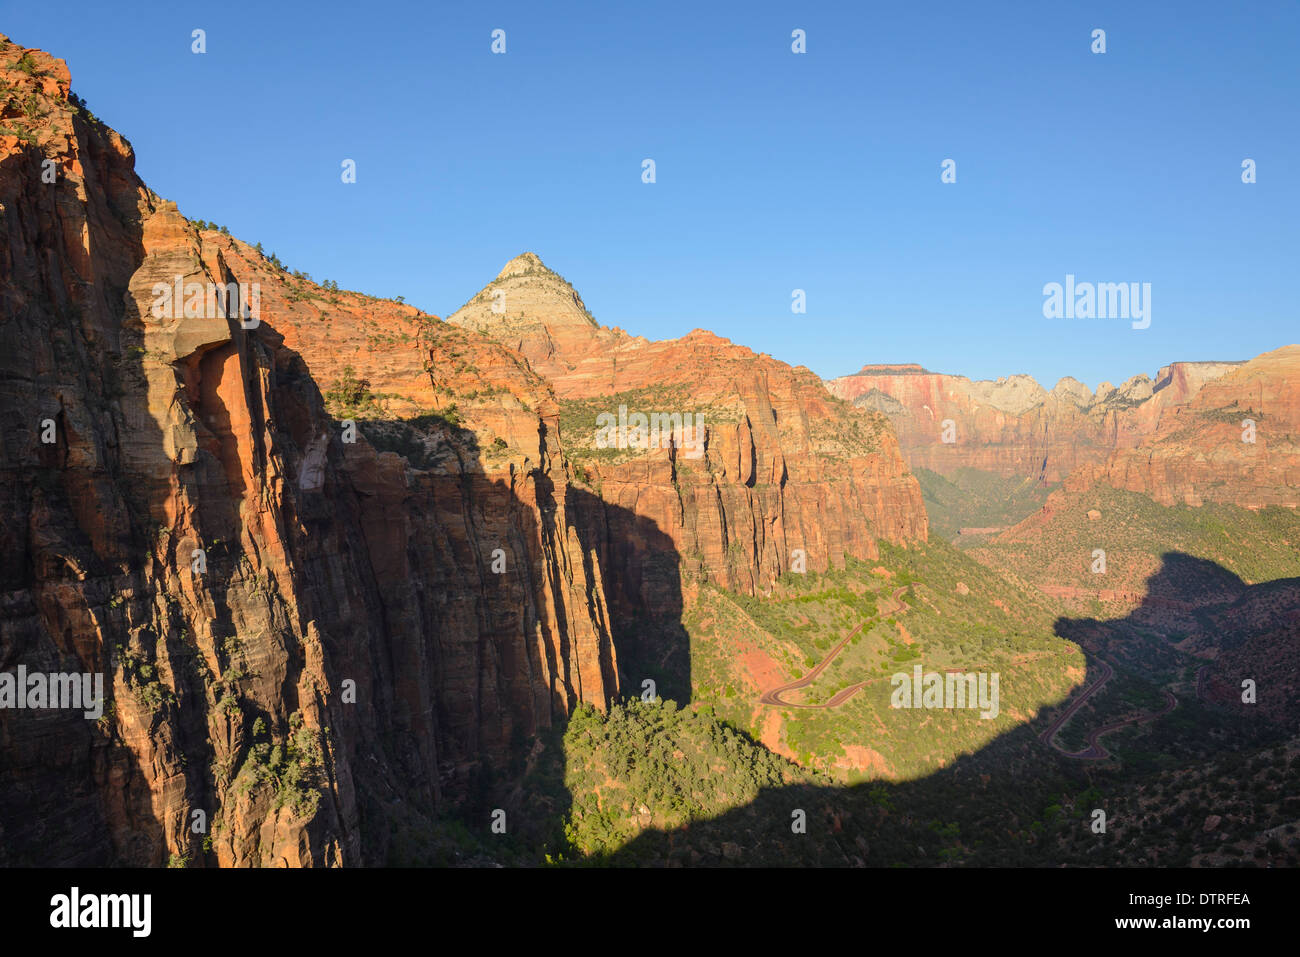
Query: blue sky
{"x": 775, "y": 171}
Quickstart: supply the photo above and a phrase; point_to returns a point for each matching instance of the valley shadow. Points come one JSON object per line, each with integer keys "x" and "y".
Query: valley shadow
{"x": 1198, "y": 621}
{"x": 633, "y": 600}
{"x": 1015, "y": 801}
{"x": 496, "y": 606}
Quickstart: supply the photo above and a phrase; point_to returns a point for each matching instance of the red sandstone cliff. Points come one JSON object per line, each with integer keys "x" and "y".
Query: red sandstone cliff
{"x": 784, "y": 465}
{"x": 348, "y": 661}
{"x": 1234, "y": 440}
{"x": 1014, "y": 427}
{"x": 339, "y": 660}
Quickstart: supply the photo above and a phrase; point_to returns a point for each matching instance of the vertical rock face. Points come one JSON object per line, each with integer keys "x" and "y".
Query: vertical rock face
{"x": 306, "y": 643}
{"x": 753, "y": 470}
{"x": 330, "y": 560}
{"x": 1013, "y": 426}
{"x": 782, "y": 465}
{"x": 1235, "y": 439}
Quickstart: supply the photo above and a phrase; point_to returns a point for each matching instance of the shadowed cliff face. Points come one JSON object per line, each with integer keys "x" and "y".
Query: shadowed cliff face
{"x": 358, "y": 643}
{"x": 67, "y": 535}
{"x": 379, "y": 629}
{"x": 642, "y": 578}
{"x": 331, "y": 563}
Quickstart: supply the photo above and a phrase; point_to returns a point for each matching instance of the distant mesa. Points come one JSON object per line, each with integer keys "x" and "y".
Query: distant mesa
{"x": 1012, "y": 427}
{"x": 902, "y": 368}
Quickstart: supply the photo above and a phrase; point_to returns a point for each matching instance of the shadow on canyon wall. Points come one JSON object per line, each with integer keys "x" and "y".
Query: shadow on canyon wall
{"x": 443, "y": 651}
{"x": 455, "y": 667}
{"x": 643, "y": 588}
{"x": 86, "y": 553}
{"x": 69, "y": 539}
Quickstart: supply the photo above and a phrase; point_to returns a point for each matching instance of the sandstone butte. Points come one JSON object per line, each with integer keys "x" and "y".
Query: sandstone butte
{"x": 348, "y": 623}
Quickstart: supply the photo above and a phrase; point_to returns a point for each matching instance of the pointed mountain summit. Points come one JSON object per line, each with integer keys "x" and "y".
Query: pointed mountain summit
{"x": 177, "y": 423}
{"x": 522, "y": 265}
{"x": 776, "y": 463}
{"x": 535, "y": 311}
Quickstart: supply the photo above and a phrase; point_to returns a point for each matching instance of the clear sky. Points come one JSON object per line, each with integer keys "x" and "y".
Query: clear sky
{"x": 775, "y": 171}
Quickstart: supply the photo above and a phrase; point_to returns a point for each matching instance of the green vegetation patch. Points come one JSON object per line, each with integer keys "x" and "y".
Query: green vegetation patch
{"x": 976, "y": 499}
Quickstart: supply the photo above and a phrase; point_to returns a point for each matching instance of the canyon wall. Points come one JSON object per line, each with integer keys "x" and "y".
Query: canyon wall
{"x": 305, "y": 641}
{"x": 333, "y": 562}
{"x": 782, "y": 465}
{"x": 1235, "y": 440}
{"x": 1013, "y": 426}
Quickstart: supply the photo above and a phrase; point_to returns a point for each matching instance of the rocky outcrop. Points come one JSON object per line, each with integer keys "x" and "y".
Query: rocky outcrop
{"x": 538, "y": 314}
{"x": 309, "y": 644}
{"x": 761, "y": 471}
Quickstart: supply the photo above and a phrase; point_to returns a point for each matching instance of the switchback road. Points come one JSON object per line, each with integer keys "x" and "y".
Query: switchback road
{"x": 1095, "y": 751}
{"x": 773, "y": 697}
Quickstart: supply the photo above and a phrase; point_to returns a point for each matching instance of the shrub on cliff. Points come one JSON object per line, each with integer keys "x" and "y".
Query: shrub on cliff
{"x": 351, "y": 397}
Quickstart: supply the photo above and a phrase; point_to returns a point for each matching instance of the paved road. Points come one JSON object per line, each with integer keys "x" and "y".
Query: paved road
{"x": 773, "y": 697}
{"x": 1095, "y": 751}
{"x": 1107, "y": 672}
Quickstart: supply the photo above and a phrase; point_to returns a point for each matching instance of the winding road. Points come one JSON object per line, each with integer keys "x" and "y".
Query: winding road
{"x": 1046, "y": 737}
{"x": 1095, "y": 751}
{"x": 773, "y": 697}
